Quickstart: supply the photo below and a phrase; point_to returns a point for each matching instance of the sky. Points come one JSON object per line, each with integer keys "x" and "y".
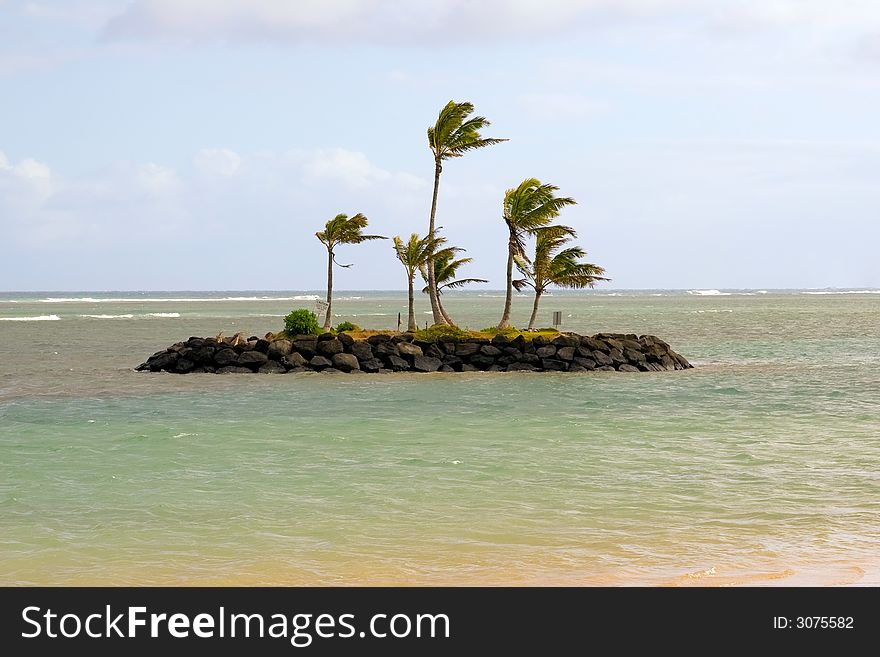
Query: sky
{"x": 199, "y": 144}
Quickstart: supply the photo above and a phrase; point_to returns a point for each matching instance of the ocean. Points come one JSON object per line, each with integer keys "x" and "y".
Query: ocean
{"x": 759, "y": 466}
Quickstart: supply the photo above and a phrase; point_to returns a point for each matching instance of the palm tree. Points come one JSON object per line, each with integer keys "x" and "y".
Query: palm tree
{"x": 445, "y": 269}
{"x": 413, "y": 255}
{"x": 453, "y": 135}
{"x": 341, "y": 229}
{"x": 551, "y": 266}
{"x": 528, "y": 207}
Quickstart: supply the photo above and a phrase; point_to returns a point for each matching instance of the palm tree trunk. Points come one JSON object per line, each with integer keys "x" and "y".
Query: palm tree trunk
{"x": 534, "y": 316}
{"x": 411, "y": 320}
{"x": 432, "y": 279}
{"x": 508, "y": 300}
{"x": 327, "y": 322}
{"x": 443, "y": 312}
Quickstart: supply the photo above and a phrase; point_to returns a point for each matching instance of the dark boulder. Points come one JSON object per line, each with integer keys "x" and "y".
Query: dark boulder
{"x": 371, "y": 365}
{"x": 379, "y": 338}
{"x": 326, "y": 336}
{"x": 346, "y": 362}
{"x": 272, "y": 367}
{"x": 426, "y": 364}
{"x": 293, "y": 360}
{"x": 554, "y": 364}
{"x": 519, "y": 342}
{"x": 586, "y": 363}
{"x": 319, "y": 363}
{"x": 602, "y": 358}
{"x": 329, "y": 347}
{"x": 408, "y": 349}
{"x": 361, "y": 350}
{"x": 452, "y": 361}
{"x": 565, "y": 353}
{"x": 490, "y": 350}
{"x": 306, "y": 346}
{"x": 545, "y": 351}
{"x": 202, "y": 355}
{"x": 225, "y": 357}
{"x": 384, "y": 349}
{"x": 566, "y": 341}
{"x": 262, "y": 345}
{"x": 278, "y": 349}
{"x": 531, "y": 359}
{"x": 591, "y": 344}
{"x": 184, "y": 365}
{"x": 627, "y": 368}
{"x": 466, "y": 367}
{"x": 397, "y": 364}
{"x": 466, "y": 349}
{"x": 500, "y": 340}
{"x": 482, "y": 362}
{"x": 252, "y": 359}
{"x": 633, "y": 356}
{"x": 165, "y": 361}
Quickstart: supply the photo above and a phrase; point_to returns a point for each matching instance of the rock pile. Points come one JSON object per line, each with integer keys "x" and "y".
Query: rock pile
{"x": 569, "y": 352}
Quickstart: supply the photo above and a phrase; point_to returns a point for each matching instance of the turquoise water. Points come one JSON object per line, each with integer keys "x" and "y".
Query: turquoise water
{"x": 761, "y": 465}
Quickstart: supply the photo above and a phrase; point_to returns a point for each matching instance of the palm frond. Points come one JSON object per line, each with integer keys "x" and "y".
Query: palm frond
{"x": 454, "y": 134}
{"x": 461, "y": 282}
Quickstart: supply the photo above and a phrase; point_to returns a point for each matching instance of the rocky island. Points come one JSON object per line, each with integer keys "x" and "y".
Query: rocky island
{"x": 409, "y": 352}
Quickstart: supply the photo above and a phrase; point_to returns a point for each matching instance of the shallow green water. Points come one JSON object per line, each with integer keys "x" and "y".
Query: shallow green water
{"x": 760, "y": 465}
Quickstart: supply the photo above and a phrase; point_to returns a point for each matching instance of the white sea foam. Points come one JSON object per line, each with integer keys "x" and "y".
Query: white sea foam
{"x": 300, "y": 297}
{"x": 39, "y": 318}
{"x": 842, "y": 292}
{"x": 185, "y": 435}
{"x": 163, "y": 314}
{"x": 709, "y": 293}
{"x": 108, "y": 316}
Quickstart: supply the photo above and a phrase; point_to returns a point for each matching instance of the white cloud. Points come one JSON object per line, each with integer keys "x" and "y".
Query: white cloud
{"x": 452, "y": 22}
{"x": 217, "y": 161}
{"x": 351, "y": 169}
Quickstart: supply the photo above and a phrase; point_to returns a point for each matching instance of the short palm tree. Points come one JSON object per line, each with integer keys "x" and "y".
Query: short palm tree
{"x": 453, "y": 135}
{"x": 529, "y": 206}
{"x": 446, "y": 267}
{"x": 413, "y": 255}
{"x": 552, "y": 266}
{"x": 341, "y": 229}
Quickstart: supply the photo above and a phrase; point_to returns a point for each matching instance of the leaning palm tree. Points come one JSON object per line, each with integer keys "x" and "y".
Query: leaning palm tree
{"x": 453, "y": 135}
{"x": 341, "y": 229}
{"x": 413, "y": 255}
{"x": 446, "y": 267}
{"x": 528, "y": 207}
{"x": 552, "y": 266}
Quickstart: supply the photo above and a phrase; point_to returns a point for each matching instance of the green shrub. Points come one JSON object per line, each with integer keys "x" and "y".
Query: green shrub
{"x": 301, "y": 322}
{"x": 347, "y": 326}
{"x": 441, "y": 331}
{"x": 494, "y": 330}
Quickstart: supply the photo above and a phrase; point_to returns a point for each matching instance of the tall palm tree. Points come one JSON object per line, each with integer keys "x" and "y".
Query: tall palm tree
{"x": 552, "y": 266}
{"x": 413, "y": 255}
{"x": 529, "y": 206}
{"x": 445, "y": 269}
{"x": 453, "y": 135}
{"x": 341, "y": 229}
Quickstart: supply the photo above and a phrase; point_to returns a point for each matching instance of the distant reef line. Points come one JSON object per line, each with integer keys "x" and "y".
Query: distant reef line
{"x": 405, "y": 352}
